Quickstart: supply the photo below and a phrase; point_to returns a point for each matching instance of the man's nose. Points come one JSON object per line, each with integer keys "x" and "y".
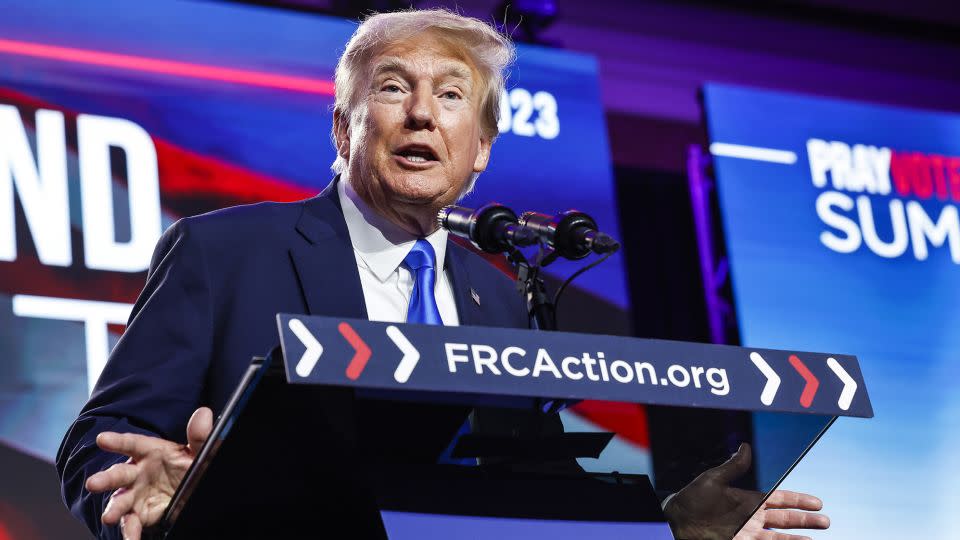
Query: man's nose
{"x": 421, "y": 109}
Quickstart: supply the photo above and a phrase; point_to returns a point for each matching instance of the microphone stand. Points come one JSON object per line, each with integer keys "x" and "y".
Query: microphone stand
{"x": 542, "y": 308}
{"x": 531, "y": 286}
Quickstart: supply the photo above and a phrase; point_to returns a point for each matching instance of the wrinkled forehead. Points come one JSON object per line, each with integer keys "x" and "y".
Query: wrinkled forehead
{"x": 431, "y": 53}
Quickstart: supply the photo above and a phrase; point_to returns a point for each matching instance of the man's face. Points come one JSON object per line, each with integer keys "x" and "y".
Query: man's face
{"x": 419, "y": 139}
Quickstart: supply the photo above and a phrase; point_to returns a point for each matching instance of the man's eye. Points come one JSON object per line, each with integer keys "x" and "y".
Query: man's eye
{"x": 391, "y": 88}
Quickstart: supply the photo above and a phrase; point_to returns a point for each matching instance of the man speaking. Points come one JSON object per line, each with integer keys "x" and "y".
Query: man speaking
{"x": 417, "y": 100}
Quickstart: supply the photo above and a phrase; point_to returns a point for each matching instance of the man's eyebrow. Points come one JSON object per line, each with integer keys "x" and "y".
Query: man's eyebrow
{"x": 388, "y": 65}
{"x": 397, "y": 65}
{"x": 457, "y": 71}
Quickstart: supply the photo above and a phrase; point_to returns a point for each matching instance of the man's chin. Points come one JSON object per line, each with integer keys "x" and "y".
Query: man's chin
{"x": 419, "y": 190}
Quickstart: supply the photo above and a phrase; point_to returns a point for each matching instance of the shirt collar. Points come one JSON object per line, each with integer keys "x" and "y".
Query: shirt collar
{"x": 380, "y": 245}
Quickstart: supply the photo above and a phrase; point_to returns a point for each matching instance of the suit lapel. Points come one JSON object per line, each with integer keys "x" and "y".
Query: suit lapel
{"x": 327, "y": 268}
{"x": 468, "y": 309}
{"x": 326, "y": 265}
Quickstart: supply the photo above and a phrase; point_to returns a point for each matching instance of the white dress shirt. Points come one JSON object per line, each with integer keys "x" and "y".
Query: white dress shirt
{"x": 380, "y": 247}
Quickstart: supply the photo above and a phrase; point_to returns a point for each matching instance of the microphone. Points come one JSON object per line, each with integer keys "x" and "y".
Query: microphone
{"x": 492, "y": 227}
{"x": 572, "y": 234}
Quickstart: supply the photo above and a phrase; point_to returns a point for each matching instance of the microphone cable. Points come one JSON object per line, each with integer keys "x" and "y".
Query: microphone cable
{"x": 578, "y": 273}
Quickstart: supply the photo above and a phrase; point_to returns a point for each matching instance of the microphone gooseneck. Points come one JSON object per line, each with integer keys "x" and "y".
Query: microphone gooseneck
{"x": 572, "y": 234}
{"x": 493, "y": 228}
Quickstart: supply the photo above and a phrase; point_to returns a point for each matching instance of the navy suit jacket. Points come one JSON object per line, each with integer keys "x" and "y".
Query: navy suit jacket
{"x": 214, "y": 286}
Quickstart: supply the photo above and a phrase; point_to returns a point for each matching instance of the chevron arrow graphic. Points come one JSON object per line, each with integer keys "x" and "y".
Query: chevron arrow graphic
{"x": 773, "y": 380}
{"x": 849, "y": 385}
{"x": 361, "y": 354}
{"x": 810, "y": 389}
{"x": 410, "y": 354}
{"x": 314, "y": 348}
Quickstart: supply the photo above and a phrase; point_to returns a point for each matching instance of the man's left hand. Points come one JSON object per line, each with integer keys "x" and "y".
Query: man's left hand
{"x": 784, "y": 510}
{"x": 709, "y": 508}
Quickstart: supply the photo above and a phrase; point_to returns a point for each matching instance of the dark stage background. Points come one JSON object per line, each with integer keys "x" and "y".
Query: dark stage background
{"x": 634, "y": 70}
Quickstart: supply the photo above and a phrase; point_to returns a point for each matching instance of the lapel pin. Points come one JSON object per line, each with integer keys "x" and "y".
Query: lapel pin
{"x": 475, "y": 296}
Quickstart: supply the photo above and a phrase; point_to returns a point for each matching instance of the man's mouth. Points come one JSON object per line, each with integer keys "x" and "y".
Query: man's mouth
{"x": 415, "y": 153}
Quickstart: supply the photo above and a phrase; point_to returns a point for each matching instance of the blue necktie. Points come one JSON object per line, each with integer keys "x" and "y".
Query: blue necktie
{"x": 422, "y": 261}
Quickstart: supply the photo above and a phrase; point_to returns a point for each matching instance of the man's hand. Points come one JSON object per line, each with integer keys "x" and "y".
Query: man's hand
{"x": 780, "y": 511}
{"x": 147, "y": 481}
{"x": 710, "y": 509}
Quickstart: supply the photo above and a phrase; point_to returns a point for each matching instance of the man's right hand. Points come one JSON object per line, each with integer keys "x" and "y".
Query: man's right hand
{"x": 146, "y": 482}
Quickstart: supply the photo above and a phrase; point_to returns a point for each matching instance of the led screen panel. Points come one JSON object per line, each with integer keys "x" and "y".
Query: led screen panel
{"x": 118, "y": 119}
{"x": 842, "y": 233}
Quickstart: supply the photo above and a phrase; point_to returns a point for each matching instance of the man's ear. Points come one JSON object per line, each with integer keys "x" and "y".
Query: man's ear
{"x": 341, "y": 135}
{"x": 483, "y": 154}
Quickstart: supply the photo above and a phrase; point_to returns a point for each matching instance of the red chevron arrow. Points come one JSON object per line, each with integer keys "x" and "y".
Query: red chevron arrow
{"x": 810, "y": 390}
{"x": 359, "y": 360}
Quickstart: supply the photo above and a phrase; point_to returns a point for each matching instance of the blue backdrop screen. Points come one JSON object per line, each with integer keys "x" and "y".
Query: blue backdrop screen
{"x": 842, "y": 231}
{"x": 117, "y": 119}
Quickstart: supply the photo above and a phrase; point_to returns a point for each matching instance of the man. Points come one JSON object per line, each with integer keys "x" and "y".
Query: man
{"x": 417, "y": 98}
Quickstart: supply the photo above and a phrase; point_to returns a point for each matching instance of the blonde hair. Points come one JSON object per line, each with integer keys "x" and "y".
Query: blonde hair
{"x": 490, "y": 51}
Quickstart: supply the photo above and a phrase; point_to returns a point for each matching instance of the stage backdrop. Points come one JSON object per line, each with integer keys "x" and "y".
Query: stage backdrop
{"x": 117, "y": 119}
{"x": 842, "y": 231}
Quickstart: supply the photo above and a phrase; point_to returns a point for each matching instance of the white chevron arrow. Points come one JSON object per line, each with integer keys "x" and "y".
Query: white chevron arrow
{"x": 773, "y": 380}
{"x": 849, "y": 385}
{"x": 314, "y": 348}
{"x": 410, "y": 354}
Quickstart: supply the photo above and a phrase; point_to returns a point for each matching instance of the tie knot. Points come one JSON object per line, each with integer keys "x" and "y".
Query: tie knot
{"x": 421, "y": 256}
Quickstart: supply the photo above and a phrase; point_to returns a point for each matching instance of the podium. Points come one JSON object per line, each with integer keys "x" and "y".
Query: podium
{"x": 355, "y": 429}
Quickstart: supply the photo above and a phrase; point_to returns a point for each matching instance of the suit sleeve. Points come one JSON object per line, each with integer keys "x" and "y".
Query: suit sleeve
{"x": 154, "y": 377}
